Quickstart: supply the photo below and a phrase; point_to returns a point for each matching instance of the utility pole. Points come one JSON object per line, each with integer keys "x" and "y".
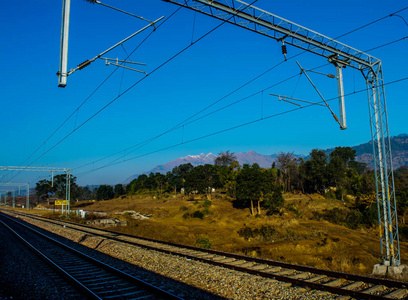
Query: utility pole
{"x": 67, "y": 171}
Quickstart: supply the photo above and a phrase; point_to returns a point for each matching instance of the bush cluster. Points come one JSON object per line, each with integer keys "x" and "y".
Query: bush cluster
{"x": 203, "y": 242}
{"x": 265, "y": 233}
{"x": 352, "y": 218}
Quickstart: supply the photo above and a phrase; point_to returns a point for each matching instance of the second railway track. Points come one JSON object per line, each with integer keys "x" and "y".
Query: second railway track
{"x": 93, "y": 278}
{"x": 359, "y": 287}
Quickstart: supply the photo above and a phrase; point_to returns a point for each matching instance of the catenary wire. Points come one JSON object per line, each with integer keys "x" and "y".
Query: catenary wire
{"x": 189, "y": 121}
{"x": 231, "y": 128}
{"x": 86, "y": 99}
{"x": 375, "y": 21}
{"x": 96, "y": 89}
{"x": 185, "y": 122}
{"x": 75, "y": 111}
{"x": 132, "y": 86}
{"x": 207, "y": 107}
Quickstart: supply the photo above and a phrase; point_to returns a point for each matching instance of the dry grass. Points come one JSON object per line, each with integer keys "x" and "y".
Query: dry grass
{"x": 292, "y": 237}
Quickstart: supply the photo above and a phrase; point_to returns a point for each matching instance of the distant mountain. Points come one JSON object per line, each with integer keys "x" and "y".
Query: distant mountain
{"x": 399, "y": 151}
{"x": 195, "y": 160}
{"x": 364, "y": 153}
{"x": 250, "y": 157}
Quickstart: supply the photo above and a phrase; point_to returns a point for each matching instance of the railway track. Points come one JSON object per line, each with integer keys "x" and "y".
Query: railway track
{"x": 92, "y": 278}
{"x": 349, "y": 285}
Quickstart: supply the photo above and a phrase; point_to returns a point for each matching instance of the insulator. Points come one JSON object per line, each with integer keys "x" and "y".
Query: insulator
{"x": 91, "y": 1}
{"x": 284, "y": 50}
{"x": 84, "y": 64}
{"x": 331, "y": 76}
{"x": 335, "y": 117}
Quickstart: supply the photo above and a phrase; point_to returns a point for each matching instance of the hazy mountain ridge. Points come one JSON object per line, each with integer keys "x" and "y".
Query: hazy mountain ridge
{"x": 364, "y": 153}
{"x": 250, "y": 157}
{"x": 399, "y": 149}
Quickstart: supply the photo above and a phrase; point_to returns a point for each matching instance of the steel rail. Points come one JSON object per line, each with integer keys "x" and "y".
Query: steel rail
{"x": 339, "y": 275}
{"x": 61, "y": 271}
{"x": 140, "y": 283}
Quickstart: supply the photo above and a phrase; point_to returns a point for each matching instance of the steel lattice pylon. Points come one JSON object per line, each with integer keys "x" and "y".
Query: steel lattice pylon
{"x": 247, "y": 16}
{"x": 384, "y": 177}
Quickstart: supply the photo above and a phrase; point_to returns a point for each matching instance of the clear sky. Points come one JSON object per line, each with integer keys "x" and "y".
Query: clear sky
{"x": 33, "y": 107}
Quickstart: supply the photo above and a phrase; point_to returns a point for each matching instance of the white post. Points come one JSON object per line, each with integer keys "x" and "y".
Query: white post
{"x": 62, "y": 73}
{"x": 342, "y": 109}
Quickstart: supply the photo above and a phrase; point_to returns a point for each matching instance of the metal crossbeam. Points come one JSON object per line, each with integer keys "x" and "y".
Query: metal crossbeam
{"x": 36, "y": 169}
{"x": 258, "y": 20}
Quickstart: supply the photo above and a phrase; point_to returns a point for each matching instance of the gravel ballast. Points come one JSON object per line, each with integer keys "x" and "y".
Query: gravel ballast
{"x": 179, "y": 271}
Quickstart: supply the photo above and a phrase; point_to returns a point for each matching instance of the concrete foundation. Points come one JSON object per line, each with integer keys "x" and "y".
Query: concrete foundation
{"x": 392, "y": 272}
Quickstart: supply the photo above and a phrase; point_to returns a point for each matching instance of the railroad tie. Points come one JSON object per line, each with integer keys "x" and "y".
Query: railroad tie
{"x": 316, "y": 278}
{"x": 397, "y": 294}
{"x": 353, "y": 286}
{"x": 335, "y": 283}
{"x": 375, "y": 288}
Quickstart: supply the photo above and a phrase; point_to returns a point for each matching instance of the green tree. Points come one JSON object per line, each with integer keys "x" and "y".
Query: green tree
{"x": 314, "y": 172}
{"x": 104, "y": 192}
{"x": 201, "y": 179}
{"x": 249, "y": 180}
{"x": 227, "y": 177}
{"x": 274, "y": 200}
{"x": 119, "y": 190}
{"x": 341, "y": 159}
{"x": 179, "y": 175}
{"x": 43, "y": 189}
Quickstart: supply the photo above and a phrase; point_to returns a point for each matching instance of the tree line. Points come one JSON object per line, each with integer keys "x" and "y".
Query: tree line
{"x": 335, "y": 176}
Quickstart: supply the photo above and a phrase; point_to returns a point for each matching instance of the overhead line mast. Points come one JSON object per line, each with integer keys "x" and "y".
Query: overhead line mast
{"x": 244, "y": 15}
{"x": 46, "y": 169}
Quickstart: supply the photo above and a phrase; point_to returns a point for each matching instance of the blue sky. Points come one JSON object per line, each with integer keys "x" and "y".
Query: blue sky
{"x": 33, "y": 107}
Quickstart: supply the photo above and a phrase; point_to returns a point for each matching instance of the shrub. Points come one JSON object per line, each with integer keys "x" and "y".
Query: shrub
{"x": 203, "y": 242}
{"x": 265, "y": 233}
{"x": 207, "y": 203}
{"x": 354, "y": 219}
{"x": 351, "y": 219}
{"x": 291, "y": 207}
{"x": 198, "y": 214}
{"x": 330, "y": 194}
{"x": 246, "y": 233}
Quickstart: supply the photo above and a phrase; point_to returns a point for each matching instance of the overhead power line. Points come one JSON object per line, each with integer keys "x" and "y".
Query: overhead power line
{"x": 375, "y": 21}
{"x": 180, "y": 124}
{"x": 186, "y": 121}
{"x": 263, "y": 118}
{"x": 131, "y": 87}
{"x": 190, "y": 119}
{"x": 94, "y": 91}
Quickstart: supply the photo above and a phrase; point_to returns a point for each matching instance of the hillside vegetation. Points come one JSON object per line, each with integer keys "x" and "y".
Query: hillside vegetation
{"x": 320, "y": 212}
{"x": 297, "y": 234}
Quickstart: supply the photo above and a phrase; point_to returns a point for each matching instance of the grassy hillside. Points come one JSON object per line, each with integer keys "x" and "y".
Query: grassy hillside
{"x": 294, "y": 235}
